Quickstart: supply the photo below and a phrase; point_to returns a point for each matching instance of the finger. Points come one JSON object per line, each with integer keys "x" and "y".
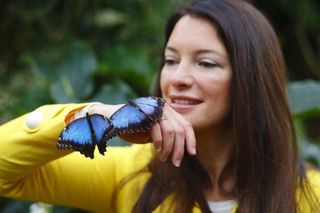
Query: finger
{"x": 191, "y": 142}
{"x": 179, "y": 136}
{"x": 190, "y": 139}
{"x": 167, "y": 131}
{"x": 178, "y": 146}
{"x": 156, "y": 137}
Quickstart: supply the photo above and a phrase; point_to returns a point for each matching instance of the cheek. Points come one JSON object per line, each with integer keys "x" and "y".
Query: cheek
{"x": 163, "y": 83}
{"x": 216, "y": 87}
{"x": 218, "y": 94}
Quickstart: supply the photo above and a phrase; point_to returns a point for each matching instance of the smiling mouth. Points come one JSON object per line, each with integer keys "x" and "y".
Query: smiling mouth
{"x": 184, "y": 104}
{"x": 185, "y": 101}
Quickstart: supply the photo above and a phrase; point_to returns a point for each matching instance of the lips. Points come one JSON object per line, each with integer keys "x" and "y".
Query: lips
{"x": 183, "y": 103}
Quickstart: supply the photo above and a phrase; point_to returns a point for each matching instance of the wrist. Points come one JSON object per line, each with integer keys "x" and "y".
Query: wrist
{"x": 103, "y": 109}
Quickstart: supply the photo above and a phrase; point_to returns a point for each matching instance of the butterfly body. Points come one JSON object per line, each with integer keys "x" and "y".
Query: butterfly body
{"x": 85, "y": 133}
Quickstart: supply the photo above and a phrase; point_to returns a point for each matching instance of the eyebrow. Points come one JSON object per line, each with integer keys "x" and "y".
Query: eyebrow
{"x": 201, "y": 51}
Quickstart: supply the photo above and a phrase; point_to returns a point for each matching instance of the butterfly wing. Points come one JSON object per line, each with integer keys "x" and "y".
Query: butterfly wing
{"x": 150, "y": 106}
{"x": 77, "y": 136}
{"x": 138, "y": 115}
{"x": 129, "y": 119}
{"x": 103, "y": 129}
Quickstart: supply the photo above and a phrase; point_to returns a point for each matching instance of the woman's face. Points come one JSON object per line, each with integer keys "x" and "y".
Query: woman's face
{"x": 196, "y": 77}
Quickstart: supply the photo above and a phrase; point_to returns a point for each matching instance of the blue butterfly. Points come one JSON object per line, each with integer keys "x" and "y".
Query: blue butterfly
{"x": 137, "y": 115}
{"x": 85, "y": 133}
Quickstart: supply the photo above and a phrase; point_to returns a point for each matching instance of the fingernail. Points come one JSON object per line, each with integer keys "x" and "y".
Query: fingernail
{"x": 177, "y": 163}
{"x": 158, "y": 149}
{"x": 194, "y": 151}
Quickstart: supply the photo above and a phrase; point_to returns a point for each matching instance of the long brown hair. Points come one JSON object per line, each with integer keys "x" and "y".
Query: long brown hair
{"x": 265, "y": 163}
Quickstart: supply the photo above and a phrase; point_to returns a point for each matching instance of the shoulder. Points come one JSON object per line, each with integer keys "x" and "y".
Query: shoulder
{"x": 313, "y": 177}
{"x": 308, "y": 194}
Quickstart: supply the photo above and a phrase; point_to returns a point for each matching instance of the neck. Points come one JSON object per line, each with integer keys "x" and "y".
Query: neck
{"x": 214, "y": 150}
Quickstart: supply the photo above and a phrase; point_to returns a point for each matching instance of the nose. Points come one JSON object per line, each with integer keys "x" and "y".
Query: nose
{"x": 182, "y": 76}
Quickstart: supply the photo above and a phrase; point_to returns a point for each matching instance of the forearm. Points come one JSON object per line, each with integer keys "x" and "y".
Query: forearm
{"x": 23, "y": 149}
{"x": 31, "y": 168}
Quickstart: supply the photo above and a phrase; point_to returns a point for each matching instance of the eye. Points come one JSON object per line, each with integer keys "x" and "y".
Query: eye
{"x": 169, "y": 61}
{"x": 208, "y": 64}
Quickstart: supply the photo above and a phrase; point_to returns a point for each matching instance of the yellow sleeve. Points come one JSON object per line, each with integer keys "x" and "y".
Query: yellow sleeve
{"x": 307, "y": 199}
{"x": 26, "y": 143}
{"x": 31, "y": 168}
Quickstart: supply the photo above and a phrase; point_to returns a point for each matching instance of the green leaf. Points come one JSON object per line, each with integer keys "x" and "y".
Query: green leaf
{"x": 127, "y": 59}
{"x": 116, "y": 93}
{"x": 109, "y": 17}
{"x": 73, "y": 71}
{"x": 310, "y": 152}
{"x": 304, "y": 98}
{"x": 129, "y": 64}
{"x": 11, "y": 206}
{"x": 117, "y": 141}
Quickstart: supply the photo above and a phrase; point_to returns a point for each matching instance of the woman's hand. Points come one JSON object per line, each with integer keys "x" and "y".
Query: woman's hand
{"x": 170, "y": 136}
{"x": 104, "y": 109}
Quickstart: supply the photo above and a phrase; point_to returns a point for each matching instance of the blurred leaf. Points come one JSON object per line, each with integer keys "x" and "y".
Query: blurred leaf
{"x": 129, "y": 64}
{"x": 306, "y": 11}
{"x": 125, "y": 59}
{"x": 304, "y": 98}
{"x": 11, "y": 206}
{"x": 305, "y": 103}
{"x": 26, "y": 92}
{"x": 62, "y": 91}
{"x": 109, "y": 17}
{"x": 311, "y": 152}
{"x": 73, "y": 71}
{"x": 115, "y": 93}
{"x": 117, "y": 141}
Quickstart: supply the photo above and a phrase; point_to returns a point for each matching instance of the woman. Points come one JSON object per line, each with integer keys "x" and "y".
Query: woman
{"x": 223, "y": 79}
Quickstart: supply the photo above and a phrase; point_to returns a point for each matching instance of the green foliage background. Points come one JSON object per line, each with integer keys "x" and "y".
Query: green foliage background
{"x": 80, "y": 50}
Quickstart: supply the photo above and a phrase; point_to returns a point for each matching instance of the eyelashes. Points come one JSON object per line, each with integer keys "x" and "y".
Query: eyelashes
{"x": 202, "y": 63}
{"x": 207, "y": 64}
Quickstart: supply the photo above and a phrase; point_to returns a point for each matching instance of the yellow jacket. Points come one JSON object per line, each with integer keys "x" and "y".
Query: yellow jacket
{"x": 31, "y": 168}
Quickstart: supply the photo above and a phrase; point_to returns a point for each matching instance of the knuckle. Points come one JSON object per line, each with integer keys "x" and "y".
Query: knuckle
{"x": 170, "y": 132}
{"x": 154, "y": 127}
{"x": 179, "y": 154}
{"x": 166, "y": 151}
{"x": 167, "y": 146}
{"x": 188, "y": 124}
{"x": 157, "y": 140}
{"x": 180, "y": 132}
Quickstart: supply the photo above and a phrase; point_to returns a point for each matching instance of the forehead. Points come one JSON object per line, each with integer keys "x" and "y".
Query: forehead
{"x": 196, "y": 33}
